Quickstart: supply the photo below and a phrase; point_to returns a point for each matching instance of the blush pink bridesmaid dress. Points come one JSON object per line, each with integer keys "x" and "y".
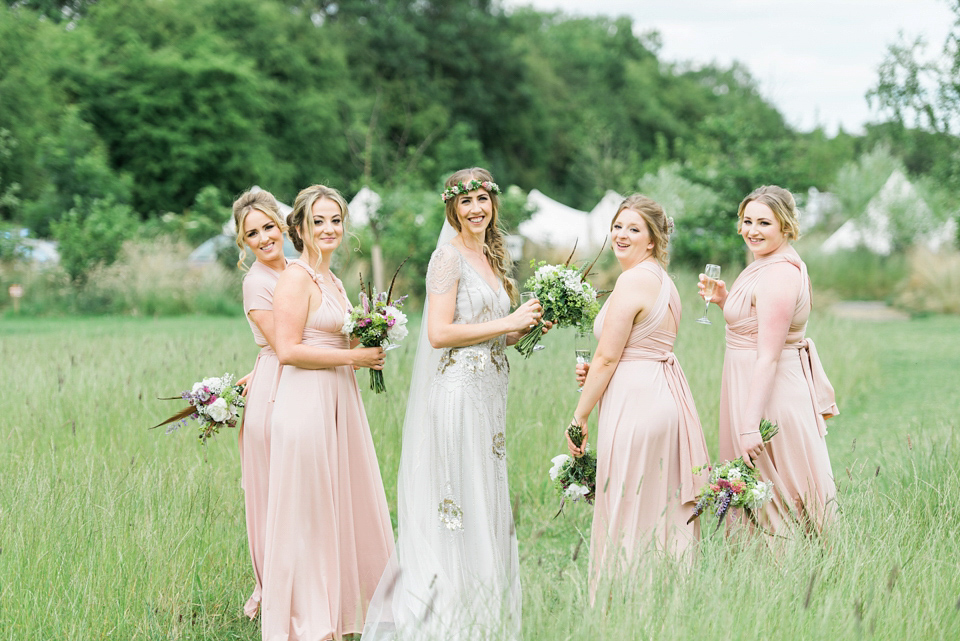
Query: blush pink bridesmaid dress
{"x": 258, "y": 286}
{"x": 329, "y": 534}
{"x": 796, "y": 459}
{"x": 649, "y": 440}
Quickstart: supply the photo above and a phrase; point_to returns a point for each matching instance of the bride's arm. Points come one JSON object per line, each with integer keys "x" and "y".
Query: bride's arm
{"x": 443, "y": 332}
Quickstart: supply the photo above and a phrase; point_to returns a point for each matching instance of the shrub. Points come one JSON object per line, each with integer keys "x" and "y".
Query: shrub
{"x": 91, "y": 234}
{"x": 933, "y": 283}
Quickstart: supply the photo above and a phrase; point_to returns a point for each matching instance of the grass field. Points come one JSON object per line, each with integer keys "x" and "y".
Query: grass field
{"x": 109, "y": 530}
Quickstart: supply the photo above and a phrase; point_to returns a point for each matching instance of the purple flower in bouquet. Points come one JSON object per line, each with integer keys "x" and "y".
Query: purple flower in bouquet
{"x": 377, "y": 322}
{"x": 214, "y": 403}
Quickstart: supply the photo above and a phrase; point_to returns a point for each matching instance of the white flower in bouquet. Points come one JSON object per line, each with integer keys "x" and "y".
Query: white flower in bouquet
{"x": 214, "y": 384}
{"x": 348, "y": 323}
{"x": 558, "y": 462}
{"x": 218, "y": 410}
{"x": 396, "y": 324}
{"x": 546, "y": 271}
{"x": 576, "y": 492}
{"x": 733, "y": 474}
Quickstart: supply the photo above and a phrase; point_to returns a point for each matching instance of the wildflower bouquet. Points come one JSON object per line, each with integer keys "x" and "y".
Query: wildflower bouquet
{"x": 377, "y": 322}
{"x": 213, "y": 403}
{"x": 575, "y": 479}
{"x": 567, "y": 298}
{"x": 734, "y": 485}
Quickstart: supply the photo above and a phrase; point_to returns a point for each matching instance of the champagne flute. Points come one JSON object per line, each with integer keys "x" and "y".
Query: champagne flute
{"x": 583, "y": 348}
{"x": 712, "y": 273}
{"x": 524, "y": 297}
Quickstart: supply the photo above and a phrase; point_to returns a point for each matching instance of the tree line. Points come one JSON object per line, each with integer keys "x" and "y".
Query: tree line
{"x": 126, "y": 110}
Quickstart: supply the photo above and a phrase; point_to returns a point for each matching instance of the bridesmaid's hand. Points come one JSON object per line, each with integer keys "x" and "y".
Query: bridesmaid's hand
{"x": 243, "y": 383}
{"x": 372, "y": 357}
{"x": 577, "y": 452}
{"x": 582, "y": 370}
{"x": 751, "y": 447}
{"x": 719, "y": 293}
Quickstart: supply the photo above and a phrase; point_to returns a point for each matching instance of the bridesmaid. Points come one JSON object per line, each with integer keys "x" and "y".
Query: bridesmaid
{"x": 771, "y": 371}
{"x": 650, "y": 436}
{"x": 328, "y": 529}
{"x": 259, "y": 227}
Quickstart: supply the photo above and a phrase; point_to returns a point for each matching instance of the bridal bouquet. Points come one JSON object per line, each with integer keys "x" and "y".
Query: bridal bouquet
{"x": 377, "y": 322}
{"x": 734, "y": 485}
{"x": 213, "y": 403}
{"x": 575, "y": 479}
{"x": 567, "y": 298}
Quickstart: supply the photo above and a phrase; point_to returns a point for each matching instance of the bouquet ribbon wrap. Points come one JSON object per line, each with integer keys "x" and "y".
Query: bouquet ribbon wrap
{"x": 693, "y": 448}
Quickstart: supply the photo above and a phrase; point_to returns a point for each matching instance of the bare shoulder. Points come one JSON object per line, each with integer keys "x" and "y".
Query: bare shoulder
{"x": 780, "y": 280}
{"x": 638, "y": 281}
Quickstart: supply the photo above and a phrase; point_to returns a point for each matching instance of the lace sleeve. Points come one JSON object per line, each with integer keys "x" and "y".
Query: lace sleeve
{"x": 443, "y": 273}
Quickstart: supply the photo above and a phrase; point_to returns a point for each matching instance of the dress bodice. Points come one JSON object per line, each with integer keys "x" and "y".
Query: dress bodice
{"x": 258, "y": 286}
{"x": 477, "y": 302}
{"x": 324, "y": 325}
{"x": 740, "y": 313}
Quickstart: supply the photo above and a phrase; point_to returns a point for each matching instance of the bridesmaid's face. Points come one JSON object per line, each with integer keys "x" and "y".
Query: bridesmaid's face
{"x": 630, "y": 238}
{"x": 475, "y": 211}
{"x": 327, "y": 225}
{"x": 263, "y": 236}
{"x": 761, "y": 230}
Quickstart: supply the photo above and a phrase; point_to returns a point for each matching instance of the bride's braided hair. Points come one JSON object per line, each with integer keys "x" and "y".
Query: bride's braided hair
{"x": 494, "y": 247}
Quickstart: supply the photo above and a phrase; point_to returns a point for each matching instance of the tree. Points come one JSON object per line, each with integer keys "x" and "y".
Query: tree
{"x": 74, "y": 163}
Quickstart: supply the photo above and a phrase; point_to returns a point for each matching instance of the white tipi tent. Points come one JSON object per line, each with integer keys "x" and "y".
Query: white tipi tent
{"x": 554, "y": 224}
{"x": 363, "y": 206}
{"x": 873, "y": 230}
{"x": 601, "y": 216}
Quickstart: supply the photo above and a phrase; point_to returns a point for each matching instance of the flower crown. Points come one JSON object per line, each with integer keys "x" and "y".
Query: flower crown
{"x": 670, "y": 225}
{"x": 461, "y": 188}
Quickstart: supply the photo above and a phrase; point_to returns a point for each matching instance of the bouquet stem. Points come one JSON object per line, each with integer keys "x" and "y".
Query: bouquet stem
{"x": 376, "y": 381}
{"x": 526, "y": 344}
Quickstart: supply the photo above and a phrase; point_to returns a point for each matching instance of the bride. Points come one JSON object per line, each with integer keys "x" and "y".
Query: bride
{"x": 455, "y": 573}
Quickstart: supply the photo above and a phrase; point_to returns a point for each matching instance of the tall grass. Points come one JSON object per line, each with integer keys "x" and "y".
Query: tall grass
{"x": 109, "y": 530}
{"x": 150, "y": 278}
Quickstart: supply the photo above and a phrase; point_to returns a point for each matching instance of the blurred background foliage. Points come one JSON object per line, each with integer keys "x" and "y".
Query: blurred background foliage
{"x": 153, "y": 115}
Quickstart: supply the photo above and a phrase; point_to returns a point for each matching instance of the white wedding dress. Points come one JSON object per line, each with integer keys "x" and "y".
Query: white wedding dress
{"x": 455, "y": 572}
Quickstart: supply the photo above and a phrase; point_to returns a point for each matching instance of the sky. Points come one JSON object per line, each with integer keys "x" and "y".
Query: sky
{"x": 814, "y": 59}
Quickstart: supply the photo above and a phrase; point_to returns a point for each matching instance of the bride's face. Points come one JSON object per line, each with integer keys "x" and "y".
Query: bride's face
{"x": 475, "y": 211}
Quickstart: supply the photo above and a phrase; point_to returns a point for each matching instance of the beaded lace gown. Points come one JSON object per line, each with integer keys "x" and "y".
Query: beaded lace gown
{"x": 455, "y": 575}
{"x": 329, "y": 534}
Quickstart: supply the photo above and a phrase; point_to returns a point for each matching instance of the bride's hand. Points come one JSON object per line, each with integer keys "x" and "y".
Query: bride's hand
{"x": 525, "y": 317}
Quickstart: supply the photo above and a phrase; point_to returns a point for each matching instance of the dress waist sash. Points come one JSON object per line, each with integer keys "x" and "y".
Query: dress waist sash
{"x": 326, "y": 340}
{"x": 821, "y": 391}
{"x": 693, "y": 448}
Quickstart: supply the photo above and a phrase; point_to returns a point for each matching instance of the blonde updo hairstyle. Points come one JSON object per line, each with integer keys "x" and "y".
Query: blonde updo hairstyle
{"x": 254, "y": 200}
{"x": 300, "y": 220}
{"x": 781, "y": 203}
{"x": 657, "y": 223}
{"x": 494, "y": 247}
